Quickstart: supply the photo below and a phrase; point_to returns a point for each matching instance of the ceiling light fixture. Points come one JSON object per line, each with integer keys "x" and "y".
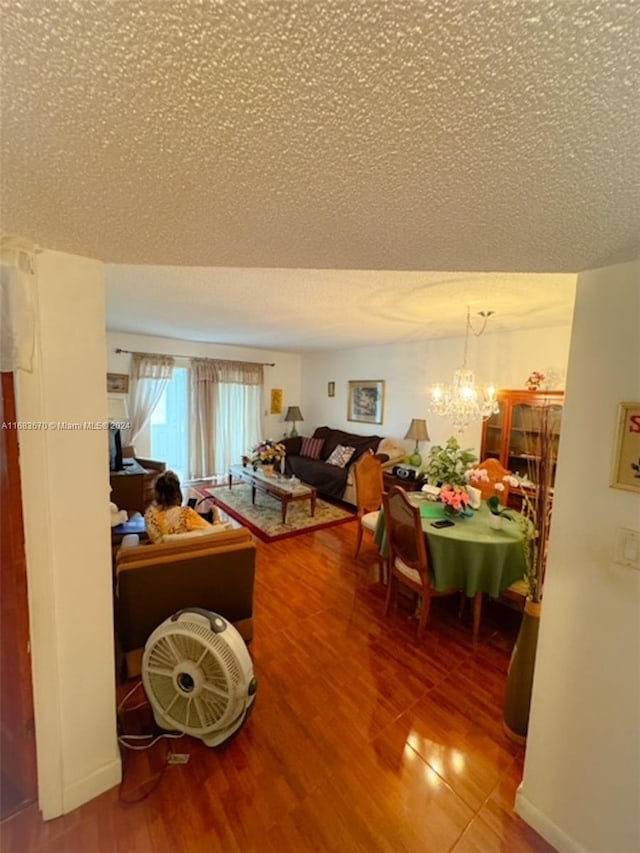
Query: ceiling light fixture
{"x": 463, "y": 401}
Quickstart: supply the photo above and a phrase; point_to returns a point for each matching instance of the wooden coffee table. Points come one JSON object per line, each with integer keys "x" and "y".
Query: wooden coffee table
{"x": 277, "y": 486}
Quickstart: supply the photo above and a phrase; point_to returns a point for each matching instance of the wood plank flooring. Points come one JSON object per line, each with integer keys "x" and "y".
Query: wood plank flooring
{"x": 359, "y": 740}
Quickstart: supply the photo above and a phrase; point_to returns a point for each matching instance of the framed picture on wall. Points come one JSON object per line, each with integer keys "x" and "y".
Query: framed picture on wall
{"x": 626, "y": 468}
{"x": 276, "y": 401}
{"x": 366, "y": 401}
{"x": 117, "y": 383}
{"x": 331, "y": 389}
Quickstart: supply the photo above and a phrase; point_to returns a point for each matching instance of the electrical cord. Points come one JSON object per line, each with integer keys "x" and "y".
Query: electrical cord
{"x": 128, "y": 742}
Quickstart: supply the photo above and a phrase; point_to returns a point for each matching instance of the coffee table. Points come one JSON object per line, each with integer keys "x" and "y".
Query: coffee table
{"x": 277, "y": 486}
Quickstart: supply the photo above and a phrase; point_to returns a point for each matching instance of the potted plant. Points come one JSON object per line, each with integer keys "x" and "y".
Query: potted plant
{"x": 499, "y": 512}
{"x": 447, "y": 465}
{"x": 534, "y": 523}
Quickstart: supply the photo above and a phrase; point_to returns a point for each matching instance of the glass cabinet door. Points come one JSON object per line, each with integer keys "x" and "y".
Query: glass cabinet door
{"x": 494, "y": 435}
{"x": 531, "y": 427}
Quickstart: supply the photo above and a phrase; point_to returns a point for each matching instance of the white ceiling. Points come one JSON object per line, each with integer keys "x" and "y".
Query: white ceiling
{"x": 288, "y": 146}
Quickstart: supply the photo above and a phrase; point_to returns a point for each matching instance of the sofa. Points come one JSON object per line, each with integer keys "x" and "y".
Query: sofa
{"x": 332, "y": 480}
{"x": 215, "y": 571}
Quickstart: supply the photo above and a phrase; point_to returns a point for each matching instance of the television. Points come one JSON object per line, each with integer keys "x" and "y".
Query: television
{"x": 115, "y": 449}
{"x": 118, "y": 417}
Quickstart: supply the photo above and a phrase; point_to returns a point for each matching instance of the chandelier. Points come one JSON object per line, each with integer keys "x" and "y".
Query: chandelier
{"x": 463, "y": 401}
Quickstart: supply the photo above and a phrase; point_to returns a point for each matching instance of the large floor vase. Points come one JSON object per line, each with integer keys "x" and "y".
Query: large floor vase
{"x": 517, "y": 700}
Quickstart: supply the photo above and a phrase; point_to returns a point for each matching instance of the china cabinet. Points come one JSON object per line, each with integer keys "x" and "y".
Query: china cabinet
{"x": 512, "y": 435}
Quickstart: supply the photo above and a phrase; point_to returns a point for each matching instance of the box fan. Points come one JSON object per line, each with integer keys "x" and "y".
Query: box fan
{"x": 198, "y": 675}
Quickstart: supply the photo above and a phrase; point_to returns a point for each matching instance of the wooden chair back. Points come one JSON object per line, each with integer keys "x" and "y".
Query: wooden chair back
{"x": 408, "y": 554}
{"x": 369, "y": 484}
{"x": 495, "y": 472}
{"x": 406, "y": 538}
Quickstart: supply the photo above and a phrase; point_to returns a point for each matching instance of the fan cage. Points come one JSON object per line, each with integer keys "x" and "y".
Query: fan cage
{"x": 194, "y": 677}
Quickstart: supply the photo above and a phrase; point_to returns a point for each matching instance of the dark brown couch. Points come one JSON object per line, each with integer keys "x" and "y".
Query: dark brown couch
{"x": 330, "y": 480}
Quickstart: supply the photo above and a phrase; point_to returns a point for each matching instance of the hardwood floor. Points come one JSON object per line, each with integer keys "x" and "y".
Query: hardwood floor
{"x": 359, "y": 740}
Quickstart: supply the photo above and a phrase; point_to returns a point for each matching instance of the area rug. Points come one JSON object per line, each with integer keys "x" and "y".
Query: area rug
{"x": 264, "y": 518}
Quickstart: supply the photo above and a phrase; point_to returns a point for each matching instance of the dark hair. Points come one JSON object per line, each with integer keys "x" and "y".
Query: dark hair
{"x": 168, "y": 491}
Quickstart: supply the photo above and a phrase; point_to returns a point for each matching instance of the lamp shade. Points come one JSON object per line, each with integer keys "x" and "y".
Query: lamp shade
{"x": 293, "y": 414}
{"x": 117, "y": 409}
{"x": 418, "y": 430}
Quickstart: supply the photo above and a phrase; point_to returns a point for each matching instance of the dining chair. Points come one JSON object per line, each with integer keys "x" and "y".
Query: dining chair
{"x": 495, "y": 472}
{"x": 369, "y": 488}
{"x": 408, "y": 556}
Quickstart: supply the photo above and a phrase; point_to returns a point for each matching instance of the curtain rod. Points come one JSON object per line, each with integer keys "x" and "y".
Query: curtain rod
{"x": 173, "y": 355}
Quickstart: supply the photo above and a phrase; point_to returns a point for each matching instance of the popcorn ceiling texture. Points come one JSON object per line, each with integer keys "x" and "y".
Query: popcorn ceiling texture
{"x": 371, "y": 134}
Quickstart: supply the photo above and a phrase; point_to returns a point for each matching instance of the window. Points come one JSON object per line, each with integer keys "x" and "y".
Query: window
{"x": 235, "y": 423}
{"x": 170, "y": 425}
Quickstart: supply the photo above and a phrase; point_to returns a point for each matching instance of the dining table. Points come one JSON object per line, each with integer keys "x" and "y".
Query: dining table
{"x": 469, "y": 555}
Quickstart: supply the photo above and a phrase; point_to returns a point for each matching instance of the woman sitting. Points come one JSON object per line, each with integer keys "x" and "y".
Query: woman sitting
{"x": 166, "y": 516}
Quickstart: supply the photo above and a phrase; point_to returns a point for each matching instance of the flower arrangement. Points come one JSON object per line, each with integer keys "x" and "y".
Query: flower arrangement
{"x": 455, "y": 499}
{"x": 268, "y": 452}
{"x": 535, "y": 380}
{"x": 447, "y": 465}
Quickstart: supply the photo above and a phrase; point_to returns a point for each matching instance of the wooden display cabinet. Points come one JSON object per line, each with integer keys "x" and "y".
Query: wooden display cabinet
{"x": 511, "y": 435}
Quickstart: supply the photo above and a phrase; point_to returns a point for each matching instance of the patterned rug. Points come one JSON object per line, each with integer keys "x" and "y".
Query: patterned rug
{"x": 264, "y": 518}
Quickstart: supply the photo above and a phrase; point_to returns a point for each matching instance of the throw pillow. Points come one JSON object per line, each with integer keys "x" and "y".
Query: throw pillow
{"x": 312, "y": 447}
{"x": 341, "y": 455}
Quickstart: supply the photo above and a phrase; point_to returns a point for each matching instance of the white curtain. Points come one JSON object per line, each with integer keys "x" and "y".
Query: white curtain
{"x": 150, "y": 375}
{"x": 17, "y": 308}
{"x": 226, "y": 399}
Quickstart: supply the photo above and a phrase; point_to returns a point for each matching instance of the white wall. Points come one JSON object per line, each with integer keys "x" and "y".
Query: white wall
{"x": 409, "y": 369}
{"x": 285, "y": 374}
{"x": 581, "y": 786}
{"x": 65, "y": 490}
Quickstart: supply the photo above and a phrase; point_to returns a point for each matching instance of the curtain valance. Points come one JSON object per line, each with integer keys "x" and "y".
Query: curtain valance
{"x": 147, "y": 366}
{"x": 228, "y": 372}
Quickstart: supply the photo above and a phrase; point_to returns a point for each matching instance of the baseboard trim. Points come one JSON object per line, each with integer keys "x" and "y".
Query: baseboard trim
{"x": 92, "y": 786}
{"x": 545, "y": 827}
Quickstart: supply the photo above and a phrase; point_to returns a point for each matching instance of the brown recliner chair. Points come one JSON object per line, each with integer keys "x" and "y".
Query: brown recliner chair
{"x": 214, "y": 571}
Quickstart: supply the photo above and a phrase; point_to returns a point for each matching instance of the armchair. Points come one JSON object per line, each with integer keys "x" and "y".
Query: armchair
{"x": 215, "y": 571}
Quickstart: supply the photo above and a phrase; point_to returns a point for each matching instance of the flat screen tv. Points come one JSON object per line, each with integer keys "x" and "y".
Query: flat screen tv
{"x": 115, "y": 449}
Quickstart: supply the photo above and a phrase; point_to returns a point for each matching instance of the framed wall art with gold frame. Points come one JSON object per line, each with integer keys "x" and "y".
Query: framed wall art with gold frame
{"x": 626, "y": 466}
{"x": 276, "y": 401}
{"x": 117, "y": 383}
{"x": 366, "y": 401}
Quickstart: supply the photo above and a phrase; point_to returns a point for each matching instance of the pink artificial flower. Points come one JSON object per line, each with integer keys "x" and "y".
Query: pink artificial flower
{"x": 478, "y": 475}
{"x": 454, "y": 497}
{"x": 499, "y": 487}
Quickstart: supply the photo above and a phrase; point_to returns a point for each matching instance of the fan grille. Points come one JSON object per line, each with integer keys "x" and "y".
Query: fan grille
{"x": 194, "y": 677}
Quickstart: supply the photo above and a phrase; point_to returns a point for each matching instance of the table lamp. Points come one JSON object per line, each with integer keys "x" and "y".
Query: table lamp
{"x": 418, "y": 432}
{"x": 293, "y": 414}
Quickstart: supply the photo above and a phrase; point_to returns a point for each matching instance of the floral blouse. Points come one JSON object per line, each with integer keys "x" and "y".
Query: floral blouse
{"x": 176, "y": 519}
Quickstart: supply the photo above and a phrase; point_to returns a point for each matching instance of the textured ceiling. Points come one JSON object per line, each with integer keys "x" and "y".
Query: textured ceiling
{"x": 327, "y": 309}
{"x": 416, "y": 135}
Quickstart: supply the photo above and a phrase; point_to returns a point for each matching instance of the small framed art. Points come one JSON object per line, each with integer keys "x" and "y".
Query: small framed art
{"x": 276, "y": 401}
{"x": 366, "y": 401}
{"x": 117, "y": 383}
{"x": 331, "y": 389}
{"x": 626, "y": 467}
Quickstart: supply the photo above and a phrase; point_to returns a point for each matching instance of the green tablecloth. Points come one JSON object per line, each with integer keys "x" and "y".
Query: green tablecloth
{"x": 470, "y": 556}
